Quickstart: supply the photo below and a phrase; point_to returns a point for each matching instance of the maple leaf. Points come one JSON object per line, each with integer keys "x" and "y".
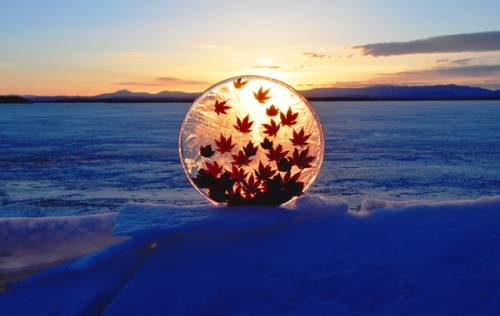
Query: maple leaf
{"x": 271, "y": 129}
{"x": 213, "y": 168}
{"x": 284, "y": 165}
{"x": 266, "y": 144}
{"x": 290, "y": 118}
{"x": 276, "y": 154}
{"x": 250, "y": 150}
{"x": 251, "y": 186}
{"x": 224, "y": 145}
{"x": 301, "y": 159}
{"x": 272, "y": 111}
{"x": 261, "y": 95}
{"x": 292, "y": 185}
{"x": 264, "y": 172}
{"x": 244, "y": 125}
{"x": 203, "y": 179}
{"x": 291, "y": 178}
{"x": 221, "y": 107}
{"x": 225, "y": 180}
{"x": 239, "y": 83}
{"x": 241, "y": 159}
{"x": 300, "y": 138}
{"x": 206, "y": 151}
{"x": 238, "y": 174}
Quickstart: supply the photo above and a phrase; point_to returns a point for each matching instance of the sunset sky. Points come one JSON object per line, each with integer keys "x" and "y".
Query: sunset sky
{"x": 90, "y": 47}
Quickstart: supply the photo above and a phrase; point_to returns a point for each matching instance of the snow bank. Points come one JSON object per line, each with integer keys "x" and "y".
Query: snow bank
{"x": 146, "y": 220}
{"x": 310, "y": 259}
{"x": 28, "y": 244}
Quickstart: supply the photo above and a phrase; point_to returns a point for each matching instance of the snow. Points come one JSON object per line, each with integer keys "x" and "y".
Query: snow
{"x": 28, "y": 244}
{"x": 312, "y": 258}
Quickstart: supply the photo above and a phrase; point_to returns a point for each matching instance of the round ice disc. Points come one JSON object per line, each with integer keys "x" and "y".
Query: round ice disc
{"x": 251, "y": 140}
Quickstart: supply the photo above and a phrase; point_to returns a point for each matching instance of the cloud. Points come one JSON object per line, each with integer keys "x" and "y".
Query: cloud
{"x": 215, "y": 47}
{"x": 128, "y": 55}
{"x": 469, "y": 71}
{"x": 168, "y": 80}
{"x": 476, "y": 75}
{"x": 266, "y": 67}
{"x": 315, "y": 55}
{"x": 487, "y": 76}
{"x": 164, "y": 81}
{"x": 472, "y": 42}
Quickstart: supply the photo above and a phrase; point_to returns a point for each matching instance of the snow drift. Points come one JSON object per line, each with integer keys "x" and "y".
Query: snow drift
{"x": 314, "y": 258}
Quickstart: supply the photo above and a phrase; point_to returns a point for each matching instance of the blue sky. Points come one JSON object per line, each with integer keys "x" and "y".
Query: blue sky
{"x": 87, "y": 47}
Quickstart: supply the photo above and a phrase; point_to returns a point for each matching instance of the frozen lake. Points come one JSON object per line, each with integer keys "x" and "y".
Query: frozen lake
{"x": 89, "y": 158}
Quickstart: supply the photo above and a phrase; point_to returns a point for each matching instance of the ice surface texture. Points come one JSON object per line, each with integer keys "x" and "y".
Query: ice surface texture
{"x": 313, "y": 258}
{"x": 251, "y": 140}
{"x": 75, "y": 159}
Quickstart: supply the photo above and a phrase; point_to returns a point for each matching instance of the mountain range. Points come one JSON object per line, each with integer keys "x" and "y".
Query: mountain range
{"x": 378, "y": 92}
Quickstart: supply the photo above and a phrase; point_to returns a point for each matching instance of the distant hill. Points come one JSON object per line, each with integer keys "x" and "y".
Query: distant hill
{"x": 379, "y": 92}
{"x": 121, "y": 96}
{"x": 387, "y": 92}
{"x": 13, "y": 99}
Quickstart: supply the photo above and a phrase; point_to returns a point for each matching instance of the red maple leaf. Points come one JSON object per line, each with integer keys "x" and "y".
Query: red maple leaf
{"x": 241, "y": 159}
{"x": 300, "y": 138}
{"x": 221, "y": 107}
{"x": 266, "y": 144}
{"x": 289, "y": 177}
{"x": 251, "y": 186}
{"x": 272, "y": 111}
{"x": 271, "y": 129}
{"x": 250, "y": 150}
{"x": 244, "y": 125}
{"x": 224, "y": 145}
{"x": 213, "y": 168}
{"x": 301, "y": 159}
{"x": 261, "y": 95}
{"x": 289, "y": 118}
{"x": 238, "y": 174}
{"x": 238, "y": 83}
{"x": 275, "y": 154}
{"x": 284, "y": 164}
{"x": 206, "y": 151}
{"x": 264, "y": 172}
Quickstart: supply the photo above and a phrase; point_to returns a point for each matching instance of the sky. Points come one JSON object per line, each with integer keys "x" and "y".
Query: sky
{"x": 90, "y": 47}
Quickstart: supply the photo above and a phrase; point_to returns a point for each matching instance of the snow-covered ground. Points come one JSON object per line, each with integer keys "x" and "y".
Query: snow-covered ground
{"x": 28, "y": 244}
{"x": 314, "y": 258}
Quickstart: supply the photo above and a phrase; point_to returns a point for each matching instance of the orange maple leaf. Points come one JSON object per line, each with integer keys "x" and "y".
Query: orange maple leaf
{"x": 300, "y": 138}
{"x": 238, "y": 83}
{"x": 244, "y": 125}
{"x": 271, "y": 129}
{"x": 289, "y": 118}
{"x": 272, "y": 111}
{"x": 261, "y": 95}
{"x": 221, "y": 107}
{"x": 224, "y": 145}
